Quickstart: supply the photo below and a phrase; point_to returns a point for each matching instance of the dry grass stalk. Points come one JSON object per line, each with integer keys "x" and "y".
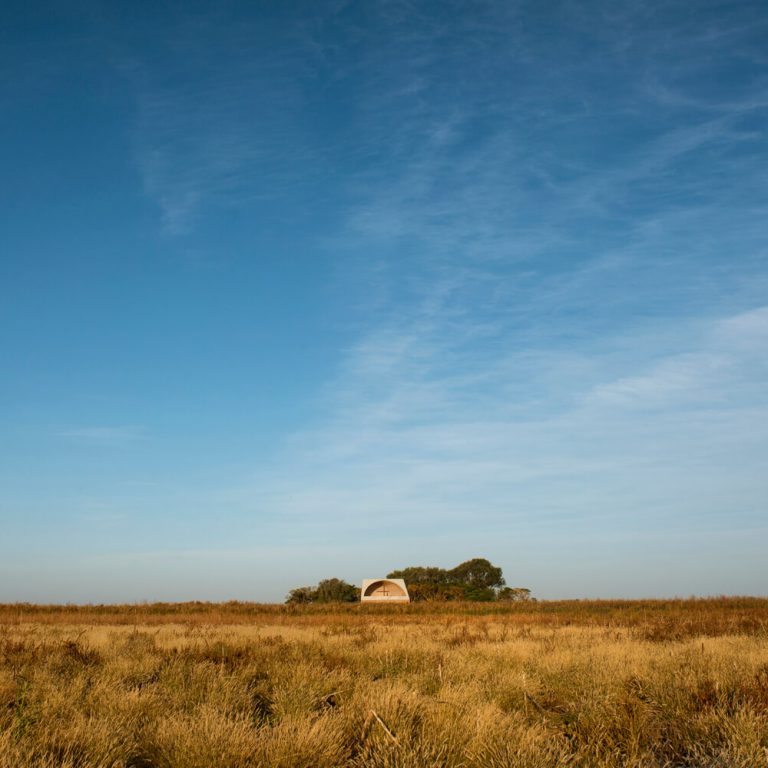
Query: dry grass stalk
{"x": 384, "y": 726}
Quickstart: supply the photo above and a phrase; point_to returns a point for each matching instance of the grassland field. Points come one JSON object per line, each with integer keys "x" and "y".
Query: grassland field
{"x": 197, "y": 685}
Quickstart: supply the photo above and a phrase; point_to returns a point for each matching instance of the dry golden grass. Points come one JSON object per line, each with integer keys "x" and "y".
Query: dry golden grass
{"x": 645, "y": 684}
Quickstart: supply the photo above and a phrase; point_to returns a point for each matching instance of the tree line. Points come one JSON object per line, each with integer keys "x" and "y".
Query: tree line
{"x": 476, "y": 580}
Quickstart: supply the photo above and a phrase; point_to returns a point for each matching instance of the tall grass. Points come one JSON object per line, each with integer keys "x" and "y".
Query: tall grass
{"x": 591, "y": 685}
{"x": 659, "y": 619}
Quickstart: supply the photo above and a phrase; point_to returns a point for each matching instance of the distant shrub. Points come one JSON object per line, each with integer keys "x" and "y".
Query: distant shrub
{"x": 336, "y": 591}
{"x": 301, "y": 596}
{"x": 476, "y": 580}
{"x": 327, "y": 591}
{"x": 514, "y": 594}
{"x": 438, "y": 592}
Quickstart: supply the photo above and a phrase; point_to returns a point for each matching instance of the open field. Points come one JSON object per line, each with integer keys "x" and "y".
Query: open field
{"x": 592, "y": 684}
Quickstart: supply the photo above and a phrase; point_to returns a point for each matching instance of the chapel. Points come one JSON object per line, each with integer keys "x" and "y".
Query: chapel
{"x": 384, "y": 591}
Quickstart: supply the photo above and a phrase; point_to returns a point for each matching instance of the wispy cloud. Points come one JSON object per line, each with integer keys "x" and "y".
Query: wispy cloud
{"x": 542, "y": 260}
{"x": 557, "y": 440}
{"x": 104, "y": 435}
{"x": 560, "y": 254}
{"x": 218, "y": 119}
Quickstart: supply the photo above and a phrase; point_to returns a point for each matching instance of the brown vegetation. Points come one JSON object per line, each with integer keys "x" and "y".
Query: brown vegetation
{"x": 590, "y": 684}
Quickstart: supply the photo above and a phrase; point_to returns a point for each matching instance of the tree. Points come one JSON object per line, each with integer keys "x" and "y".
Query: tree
{"x": 435, "y": 592}
{"x": 477, "y": 573}
{"x": 301, "y": 596}
{"x": 477, "y": 594}
{"x": 514, "y": 594}
{"x": 418, "y": 574}
{"x": 477, "y": 580}
{"x": 337, "y": 591}
{"x": 327, "y": 591}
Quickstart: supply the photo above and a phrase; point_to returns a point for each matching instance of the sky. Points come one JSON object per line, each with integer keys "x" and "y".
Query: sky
{"x": 298, "y": 290}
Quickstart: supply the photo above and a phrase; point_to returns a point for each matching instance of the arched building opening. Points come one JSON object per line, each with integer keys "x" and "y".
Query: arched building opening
{"x": 384, "y": 591}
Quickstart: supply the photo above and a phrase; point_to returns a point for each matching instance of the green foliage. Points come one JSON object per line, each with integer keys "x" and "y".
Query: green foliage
{"x": 439, "y": 592}
{"x": 301, "y": 596}
{"x": 477, "y": 573}
{"x": 421, "y": 575}
{"x": 336, "y": 591}
{"x": 477, "y": 594}
{"x": 513, "y": 594}
{"x": 476, "y": 580}
{"x": 327, "y": 591}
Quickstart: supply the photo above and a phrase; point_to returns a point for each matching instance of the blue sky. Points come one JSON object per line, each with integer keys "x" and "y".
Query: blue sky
{"x": 297, "y": 290}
